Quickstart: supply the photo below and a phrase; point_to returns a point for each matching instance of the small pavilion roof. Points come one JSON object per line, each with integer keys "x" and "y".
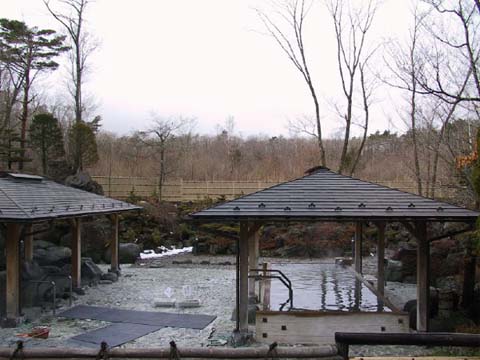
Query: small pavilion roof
{"x": 328, "y": 196}
{"x": 29, "y": 198}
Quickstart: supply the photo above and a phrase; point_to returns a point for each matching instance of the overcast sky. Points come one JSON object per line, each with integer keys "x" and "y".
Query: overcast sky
{"x": 208, "y": 59}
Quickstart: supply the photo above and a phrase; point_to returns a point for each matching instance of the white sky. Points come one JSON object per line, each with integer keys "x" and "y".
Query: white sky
{"x": 207, "y": 59}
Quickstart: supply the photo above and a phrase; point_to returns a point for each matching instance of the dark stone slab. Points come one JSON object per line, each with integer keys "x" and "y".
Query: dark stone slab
{"x": 115, "y": 334}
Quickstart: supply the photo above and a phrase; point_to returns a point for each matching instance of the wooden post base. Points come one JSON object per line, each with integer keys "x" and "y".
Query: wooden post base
{"x": 12, "y": 322}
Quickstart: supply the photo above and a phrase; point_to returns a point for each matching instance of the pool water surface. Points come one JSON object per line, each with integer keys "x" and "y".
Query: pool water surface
{"x": 322, "y": 286}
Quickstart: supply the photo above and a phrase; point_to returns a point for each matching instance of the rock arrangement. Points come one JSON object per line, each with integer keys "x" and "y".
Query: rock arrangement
{"x": 52, "y": 265}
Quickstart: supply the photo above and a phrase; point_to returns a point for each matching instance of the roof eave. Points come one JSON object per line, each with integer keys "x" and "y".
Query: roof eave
{"x": 45, "y": 217}
{"x": 336, "y": 218}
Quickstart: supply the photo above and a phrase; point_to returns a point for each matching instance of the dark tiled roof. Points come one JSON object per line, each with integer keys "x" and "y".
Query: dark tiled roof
{"x": 326, "y": 195}
{"x": 27, "y": 198}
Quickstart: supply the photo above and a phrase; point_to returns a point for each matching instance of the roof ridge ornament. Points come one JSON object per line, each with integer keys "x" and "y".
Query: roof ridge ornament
{"x": 26, "y": 177}
{"x": 315, "y": 169}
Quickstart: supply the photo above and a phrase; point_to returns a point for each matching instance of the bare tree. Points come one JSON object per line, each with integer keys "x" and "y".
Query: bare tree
{"x": 160, "y": 136}
{"x": 411, "y": 65}
{"x": 292, "y": 15}
{"x": 72, "y": 18}
{"x": 351, "y": 28}
{"x": 406, "y": 65}
{"x": 455, "y": 27}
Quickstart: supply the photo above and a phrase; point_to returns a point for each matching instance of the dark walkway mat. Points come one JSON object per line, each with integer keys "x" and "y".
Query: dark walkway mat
{"x": 162, "y": 319}
{"x": 83, "y": 312}
{"x": 115, "y": 334}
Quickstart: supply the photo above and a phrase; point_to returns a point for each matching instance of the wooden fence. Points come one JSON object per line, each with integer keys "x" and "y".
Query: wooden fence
{"x": 120, "y": 187}
{"x": 178, "y": 190}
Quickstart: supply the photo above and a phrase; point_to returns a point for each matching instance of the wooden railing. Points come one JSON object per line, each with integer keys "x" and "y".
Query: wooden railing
{"x": 121, "y": 187}
{"x": 344, "y": 340}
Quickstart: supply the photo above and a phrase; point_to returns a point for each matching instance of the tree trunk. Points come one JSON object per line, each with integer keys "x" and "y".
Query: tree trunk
{"x": 321, "y": 148}
{"x": 439, "y": 141}
{"x": 78, "y": 92}
{"x": 24, "y": 115}
{"x": 161, "y": 178}
{"x": 44, "y": 152}
{"x": 367, "y": 117}
{"x": 413, "y": 110}
{"x": 346, "y": 138}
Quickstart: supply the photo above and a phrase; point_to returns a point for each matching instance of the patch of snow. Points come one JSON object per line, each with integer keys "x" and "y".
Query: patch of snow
{"x": 150, "y": 254}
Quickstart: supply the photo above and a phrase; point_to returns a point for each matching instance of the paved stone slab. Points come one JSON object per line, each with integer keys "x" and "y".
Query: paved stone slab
{"x": 115, "y": 334}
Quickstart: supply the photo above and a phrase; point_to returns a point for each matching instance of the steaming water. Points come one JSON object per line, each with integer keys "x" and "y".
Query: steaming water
{"x": 322, "y": 287}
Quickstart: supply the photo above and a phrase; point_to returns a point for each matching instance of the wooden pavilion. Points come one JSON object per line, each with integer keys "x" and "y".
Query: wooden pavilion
{"x": 26, "y": 200}
{"x": 323, "y": 195}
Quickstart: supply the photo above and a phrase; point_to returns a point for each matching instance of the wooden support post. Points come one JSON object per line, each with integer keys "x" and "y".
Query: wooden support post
{"x": 358, "y": 246}
{"x": 253, "y": 251}
{"x": 76, "y": 225}
{"x": 423, "y": 278}
{"x": 114, "y": 246}
{"x": 12, "y": 252}
{"x": 28, "y": 244}
{"x": 381, "y": 258}
{"x": 243, "y": 286}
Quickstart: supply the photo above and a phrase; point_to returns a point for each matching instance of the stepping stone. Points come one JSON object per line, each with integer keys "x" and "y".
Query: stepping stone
{"x": 187, "y": 304}
{"x": 164, "y": 303}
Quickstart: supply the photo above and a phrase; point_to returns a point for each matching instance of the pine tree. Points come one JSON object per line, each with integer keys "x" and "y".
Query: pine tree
{"x": 82, "y": 145}
{"x": 46, "y": 138}
{"x": 27, "y": 52}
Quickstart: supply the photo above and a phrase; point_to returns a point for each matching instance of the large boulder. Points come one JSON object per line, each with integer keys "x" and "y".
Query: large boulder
{"x": 42, "y": 244}
{"x": 37, "y": 289}
{"x": 95, "y": 235}
{"x": 32, "y": 271}
{"x": 411, "y": 308}
{"x": 407, "y": 254}
{"x": 52, "y": 234}
{"x": 128, "y": 253}
{"x": 53, "y": 255}
{"x": 91, "y": 273}
{"x": 59, "y": 170}
{"x": 446, "y": 258}
{"x": 394, "y": 271}
{"x": 83, "y": 181}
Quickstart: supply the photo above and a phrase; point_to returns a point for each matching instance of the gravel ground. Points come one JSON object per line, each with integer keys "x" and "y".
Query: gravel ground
{"x": 211, "y": 280}
{"x": 137, "y": 289}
